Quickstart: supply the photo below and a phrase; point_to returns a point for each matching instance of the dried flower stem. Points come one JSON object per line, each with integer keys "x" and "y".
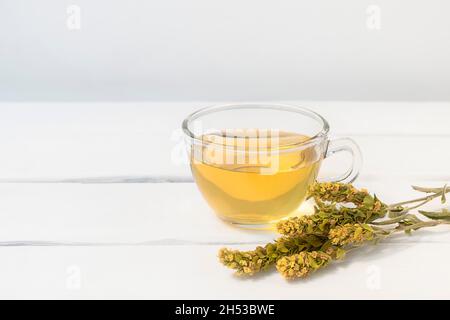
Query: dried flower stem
{"x": 437, "y": 192}
{"x": 312, "y": 242}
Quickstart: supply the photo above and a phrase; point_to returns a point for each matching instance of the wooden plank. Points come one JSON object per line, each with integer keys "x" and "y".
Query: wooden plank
{"x": 143, "y": 140}
{"x": 155, "y": 213}
{"x": 159, "y": 240}
{"x": 415, "y": 157}
{"x": 193, "y": 272}
{"x": 111, "y": 213}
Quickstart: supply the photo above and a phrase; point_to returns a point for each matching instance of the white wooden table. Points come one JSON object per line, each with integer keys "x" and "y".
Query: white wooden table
{"x": 96, "y": 203}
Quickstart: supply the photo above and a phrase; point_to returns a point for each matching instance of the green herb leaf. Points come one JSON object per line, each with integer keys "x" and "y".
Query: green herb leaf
{"x": 436, "y": 215}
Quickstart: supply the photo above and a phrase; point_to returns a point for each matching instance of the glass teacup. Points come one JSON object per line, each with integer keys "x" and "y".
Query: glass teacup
{"x": 254, "y": 163}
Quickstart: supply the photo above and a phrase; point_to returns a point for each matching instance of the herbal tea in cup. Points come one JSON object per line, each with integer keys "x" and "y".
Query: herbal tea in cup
{"x": 254, "y": 163}
{"x": 248, "y": 191}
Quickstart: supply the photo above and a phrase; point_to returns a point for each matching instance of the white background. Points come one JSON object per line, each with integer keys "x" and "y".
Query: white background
{"x": 92, "y": 204}
{"x": 224, "y": 50}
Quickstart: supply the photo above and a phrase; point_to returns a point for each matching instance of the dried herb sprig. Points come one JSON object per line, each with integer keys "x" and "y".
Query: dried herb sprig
{"x": 261, "y": 258}
{"x": 351, "y": 234}
{"x": 327, "y": 216}
{"x": 302, "y": 264}
{"x": 337, "y": 193}
{"x": 310, "y": 243}
{"x": 328, "y": 213}
{"x": 343, "y": 239}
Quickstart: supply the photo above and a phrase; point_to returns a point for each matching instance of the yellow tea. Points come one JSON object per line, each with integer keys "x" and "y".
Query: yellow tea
{"x": 253, "y": 178}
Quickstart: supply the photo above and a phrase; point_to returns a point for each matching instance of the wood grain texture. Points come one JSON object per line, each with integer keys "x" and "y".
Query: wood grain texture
{"x": 143, "y": 214}
{"x": 192, "y": 272}
{"x": 141, "y": 141}
{"x": 119, "y": 216}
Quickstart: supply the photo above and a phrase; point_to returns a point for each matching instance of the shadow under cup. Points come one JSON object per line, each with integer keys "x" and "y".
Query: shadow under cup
{"x": 254, "y": 163}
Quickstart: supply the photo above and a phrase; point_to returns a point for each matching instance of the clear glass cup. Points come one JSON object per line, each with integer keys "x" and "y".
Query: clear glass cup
{"x": 254, "y": 162}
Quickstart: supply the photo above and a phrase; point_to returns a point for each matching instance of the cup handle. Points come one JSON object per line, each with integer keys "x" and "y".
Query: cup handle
{"x": 350, "y": 146}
